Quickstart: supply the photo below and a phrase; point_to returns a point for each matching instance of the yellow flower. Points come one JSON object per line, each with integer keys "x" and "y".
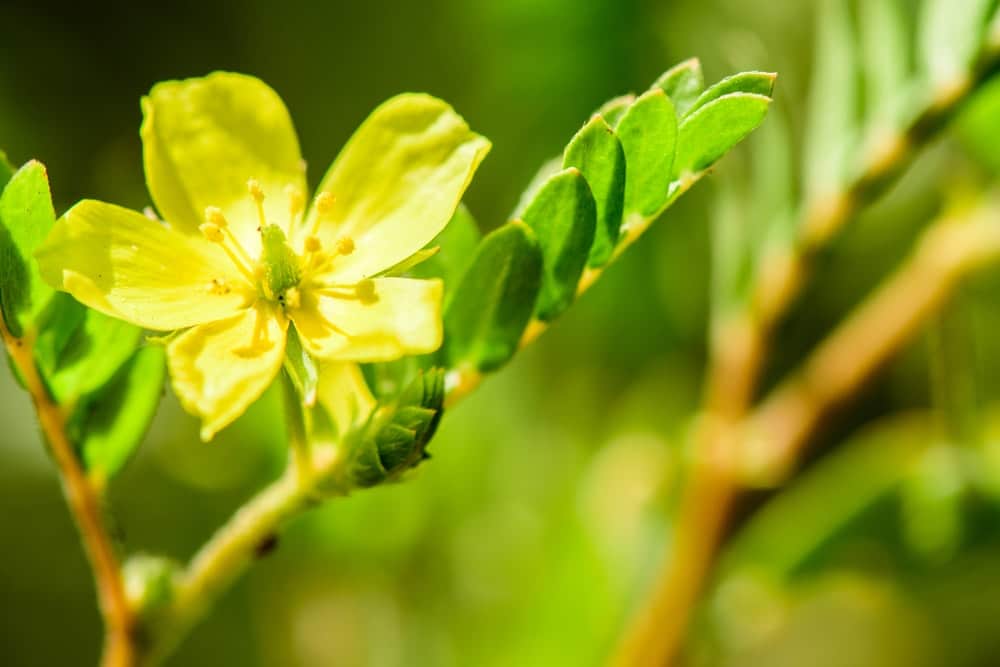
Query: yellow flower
{"x": 240, "y": 256}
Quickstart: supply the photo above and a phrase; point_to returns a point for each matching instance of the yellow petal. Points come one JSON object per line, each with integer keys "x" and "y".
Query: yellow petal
{"x": 125, "y": 265}
{"x": 397, "y": 182}
{"x": 203, "y": 139}
{"x": 404, "y": 319}
{"x": 219, "y": 369}
{"x": 343, "y": 396}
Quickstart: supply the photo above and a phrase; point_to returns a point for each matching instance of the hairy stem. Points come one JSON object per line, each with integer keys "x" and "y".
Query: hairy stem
{"x": 84, "y": 504}
{"x": 233, "y": 548}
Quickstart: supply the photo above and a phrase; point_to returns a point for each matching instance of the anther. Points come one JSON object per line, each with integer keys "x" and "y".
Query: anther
{"x": 345, "y": 245}
{"x": 296, "y": 202}
{"x": 365, "y": 291}
{"x": 213, "y": 214}
{"x": 312, "y": 244}
{"x": 324, "y": 203}
{"x": 257, "y": 192}
{"x": 212, "y": 232}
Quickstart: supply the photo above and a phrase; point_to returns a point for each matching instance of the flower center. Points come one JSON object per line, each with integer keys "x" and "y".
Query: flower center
{"x": 280, "y": 274}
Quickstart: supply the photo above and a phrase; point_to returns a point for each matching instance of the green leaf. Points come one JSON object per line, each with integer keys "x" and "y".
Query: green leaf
{"x": 951, "y": 33}
{"x": 6, "y": 170}
{"x": 613, "y": 110}
{"x": 90, "y": 356}
{"x": 600, "y": 157}
{"x": 831, "y": 133}
{"x": 648, "y": 133}
{"x": 563, "y": 216}
{"x": 683, "y": 84}
{"x": 706, "y": 135}
{"x": 301, "y": 369}
{"x": 113, "y": 423}
{"x": 978, "y": 127}
{"x": 487, "y": 313}
{"x": 541, "y": 177}
{"x": 758, "y": 83}
{"x": 26, "y": 216}
{"x": 458, "y": 243}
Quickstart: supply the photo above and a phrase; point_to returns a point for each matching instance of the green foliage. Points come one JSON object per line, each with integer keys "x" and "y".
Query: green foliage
{"x": 683, "y": 84}
{"x": 708, "y": 133}
{"x": 632, "y": 157}
{"x": 757, "y": 83}
{"x": 457, "y": 243}
{"x": 951, "y": 32}
{"x": 648, "y": 132}
{"x": 600, "y": 157}
{"x": 91, "y": 364}
{"x": 563, "y": 216}
{"x": 6, "y": 170}
{"x": 395, "y": 437}
{"x": 26, "y": 215}
{"x": 111, "y": 422}
{"x": 490, "y": 308}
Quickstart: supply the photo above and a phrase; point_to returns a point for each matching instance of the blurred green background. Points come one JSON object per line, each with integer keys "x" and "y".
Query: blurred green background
{"x": 529, "y": 536}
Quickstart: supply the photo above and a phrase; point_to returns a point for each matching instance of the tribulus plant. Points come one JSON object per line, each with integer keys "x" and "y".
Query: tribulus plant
{"x": 378, "y": 303}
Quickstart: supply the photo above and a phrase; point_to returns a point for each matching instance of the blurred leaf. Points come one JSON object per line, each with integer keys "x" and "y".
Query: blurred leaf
{"x": 600, "y": 157}
{"x": 932, "y": 504}
{"x": 772, "y": 179}
{"x": 706, "y": 135}
{"x": 731, "y": 252}
{"x": 6, "y": 170}
{"x": 301, "y": 369}
{"x": 950, "y": 35}
{"x": 614, "y": 109}
{"x": 458, "y": 243}
{"x": 791, "y": 528}
{"x": 759, "y": 83}
{"x": 563, "y": 216}
{"x": 683, "y": 84}
{"x": 886, "y": 51}
{"x": 95, "y": 349}
{"x": 978, "y": 127}
{"x": 488, "y": 311}
{"x": 831, "y": 132}
{"x": 648, "y": 133}
{"x": 113, "y": 423}
{"x": 26, "y": 215}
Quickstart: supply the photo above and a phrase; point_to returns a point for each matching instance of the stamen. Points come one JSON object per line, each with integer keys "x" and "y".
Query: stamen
{"x": 296, "y": 202}
{"x": 324, "y": 207}
{"x": 216, "y": 229}
{"x": 257, "y": 194}
{"x": 212, "y": 232}
{"x": 312, "y": 244}
{"x": 259, "y": 342}
{"x": 345, "y": 245}
{"x": 365, "y": 291}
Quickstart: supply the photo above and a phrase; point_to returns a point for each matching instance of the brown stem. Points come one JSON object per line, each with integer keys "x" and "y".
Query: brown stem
{"x": 85, "y": 506}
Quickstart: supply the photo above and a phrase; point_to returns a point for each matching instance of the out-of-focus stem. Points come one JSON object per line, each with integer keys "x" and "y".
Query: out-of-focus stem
{"x": 84, "y": 504}
{"x": 738, "y": 353}
{"x": 784, "y": 422}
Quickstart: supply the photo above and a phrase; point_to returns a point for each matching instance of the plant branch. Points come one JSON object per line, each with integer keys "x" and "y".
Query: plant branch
{"x": 228, "y": 554}
{"x": 462, "y": 382}
{"x": 84, "y": 504}
{"x": 785, "y": 421}
{"x": 777, "y": 431}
